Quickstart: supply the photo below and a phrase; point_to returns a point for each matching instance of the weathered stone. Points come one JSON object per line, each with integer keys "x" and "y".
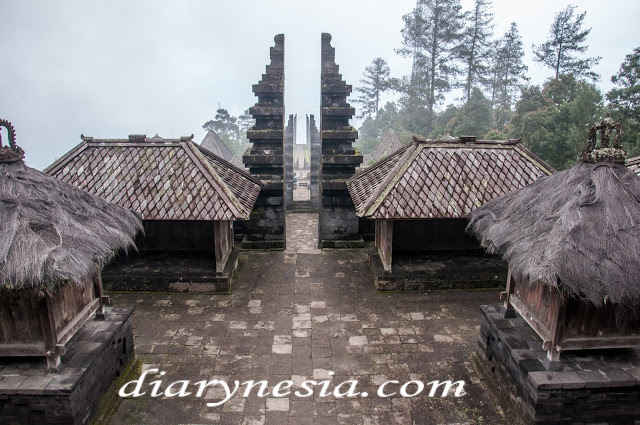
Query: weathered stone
{"x": 71, "y": 397}
{"x": 338, "y": 221}
{"x": 266, "y": 159}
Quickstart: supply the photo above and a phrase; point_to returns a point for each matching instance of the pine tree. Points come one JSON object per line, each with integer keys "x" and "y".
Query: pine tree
{"x": 432, "y": 33}
{"x": 375, "y": 82}
{"x": 626, "y": 97}
{"x": 476, "y": 45}
{"x": 566, "y": 42}
{"x": 508, "y": 73}
{"x": 624, "y": 101}
{"x": 223, "y": 124}
{"x": 473, "y": 118}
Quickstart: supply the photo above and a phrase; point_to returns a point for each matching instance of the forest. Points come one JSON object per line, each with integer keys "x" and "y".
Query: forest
{"x": 451, "y": 49}
{"x": 454, "y": 50}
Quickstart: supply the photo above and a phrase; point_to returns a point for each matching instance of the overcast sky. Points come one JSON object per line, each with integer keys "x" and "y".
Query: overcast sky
{"x": 112, "y": 68}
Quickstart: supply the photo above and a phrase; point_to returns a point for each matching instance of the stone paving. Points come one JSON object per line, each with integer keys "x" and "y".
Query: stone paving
{"x": 307, "y": 314}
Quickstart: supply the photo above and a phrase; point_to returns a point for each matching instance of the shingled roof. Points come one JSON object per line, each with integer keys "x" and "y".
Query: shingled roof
{"x": 161, "y": 179}
{"x": 634, "y": 164}
{"x": 213, "y": 143}
{"x": 389, "y": 144}
{"x": 443, "y": 178}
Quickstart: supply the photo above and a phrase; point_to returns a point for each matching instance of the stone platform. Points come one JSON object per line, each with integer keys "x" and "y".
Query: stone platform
{"x": 590, "y": 386}
{"x": 95, "y": 356}
{"x": 437, "y": 270}
{"x": 170, "y": 271}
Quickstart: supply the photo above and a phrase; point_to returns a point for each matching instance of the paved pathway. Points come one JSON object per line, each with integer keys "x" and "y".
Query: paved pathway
{"x": 302, "y": 233}
{"x": 304, "y": 314}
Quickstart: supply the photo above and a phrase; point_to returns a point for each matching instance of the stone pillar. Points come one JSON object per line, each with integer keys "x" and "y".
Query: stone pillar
{"x": 265, "y": 158}
{"x": 338, "y": 220}
{"x": 289, "y": 140}
{"x": 314, "y": 167}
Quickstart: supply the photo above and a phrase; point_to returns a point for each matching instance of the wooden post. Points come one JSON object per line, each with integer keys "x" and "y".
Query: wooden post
{"x": 53, "y": 350}
{"x": 509, "y": 311}
{"x": 223, "y": 240}
{"x": 384, "y": 242}
{"x": 553, "y": 355}
{"x": 101, "y": 313}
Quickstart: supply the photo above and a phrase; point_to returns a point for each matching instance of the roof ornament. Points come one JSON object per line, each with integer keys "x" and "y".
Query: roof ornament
{"x": 604, "y": 152}
{"x": 13, "y": 152}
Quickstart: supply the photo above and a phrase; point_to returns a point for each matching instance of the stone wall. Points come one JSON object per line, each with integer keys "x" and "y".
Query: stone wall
{"x": 289, "y": 140}
{"x": 265, "y": 229}
{"x": 338, "y": 221}
{"x": 95, "y": 356}
{"x": 592, "y": 386}
{"x": 314, "y": 167}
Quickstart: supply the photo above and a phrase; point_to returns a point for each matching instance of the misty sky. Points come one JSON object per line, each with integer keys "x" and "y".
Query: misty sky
{"x": 112, "y": 68}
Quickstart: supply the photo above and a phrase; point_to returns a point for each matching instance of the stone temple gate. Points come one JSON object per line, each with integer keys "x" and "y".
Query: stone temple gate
{"x": 333, "y": 159}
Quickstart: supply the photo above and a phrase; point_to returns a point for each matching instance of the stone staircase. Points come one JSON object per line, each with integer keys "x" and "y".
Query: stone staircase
{"x": 302, "y": 207}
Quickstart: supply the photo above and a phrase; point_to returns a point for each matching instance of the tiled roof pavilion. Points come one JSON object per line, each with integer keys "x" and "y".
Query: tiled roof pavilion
{"x": 443, "y": 178}
{"x": 388, "y": 145}
{"x": 633, "y": 164}
{"x": 161, "y": 179}
{"x": 213, "y": 143}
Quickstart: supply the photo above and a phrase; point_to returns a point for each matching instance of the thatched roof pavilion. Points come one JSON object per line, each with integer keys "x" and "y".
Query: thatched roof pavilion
{"x": 54, "y": 240}
{"x": 571, "y": 241}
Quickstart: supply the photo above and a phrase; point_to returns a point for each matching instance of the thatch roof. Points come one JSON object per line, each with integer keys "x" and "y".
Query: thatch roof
{"x": 161, "y": 179}
{"x": 578, "y": 229}
{"x": 443, "y": 178}
{"x": 52, "y": 233}
{"x": 213, "y": 143}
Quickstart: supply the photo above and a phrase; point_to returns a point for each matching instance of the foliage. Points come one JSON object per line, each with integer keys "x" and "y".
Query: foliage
{"x": 373, "y": 129}
{"x": 441, "y": 121}
{"x": 554, "y": 121}
{"x": 375, "y": 82}
{"x": 474, "y": 118}
{"x": 566, "y": 42}
{"x": 626, "y": 97}
{"x": 224, "y": 123}
{"x": 508, "y": 74}
{"x": 232, "y": 130}
{"x": 624, "y": 101}
{"x": 432, "y": 36}
{"x": 475, "y": 49}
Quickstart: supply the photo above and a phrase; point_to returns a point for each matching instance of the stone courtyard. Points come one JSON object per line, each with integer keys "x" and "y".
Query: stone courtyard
{"x": 297, "y": 315}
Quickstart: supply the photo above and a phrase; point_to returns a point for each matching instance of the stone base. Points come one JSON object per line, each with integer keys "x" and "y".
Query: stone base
{"x": 171, "y": 272}
{"x": 437, "y": 271}
{"x": 591, "y": 386}
{"x": 269, "y": 245}
{"x": 95, "y": 356}
{"x": 356, "y": 242}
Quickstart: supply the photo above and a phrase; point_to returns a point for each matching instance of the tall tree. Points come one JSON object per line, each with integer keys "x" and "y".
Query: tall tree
{"x": 554, "y": 122}
{"x": 508, "y": 73}
{"x": 473, "y": 118}
{"x": 624, "y": 101}
{"x": 567, "y": 41}
{"x": 626, "y": 97}
{"x": 375, "y": 82}
{"x": 433, "y": 32}
{"x": 476, "y": 45}
{"x": 223, "y": 124}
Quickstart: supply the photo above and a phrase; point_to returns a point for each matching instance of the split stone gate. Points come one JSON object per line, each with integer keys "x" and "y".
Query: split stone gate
{"x": 333, "y": 159}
